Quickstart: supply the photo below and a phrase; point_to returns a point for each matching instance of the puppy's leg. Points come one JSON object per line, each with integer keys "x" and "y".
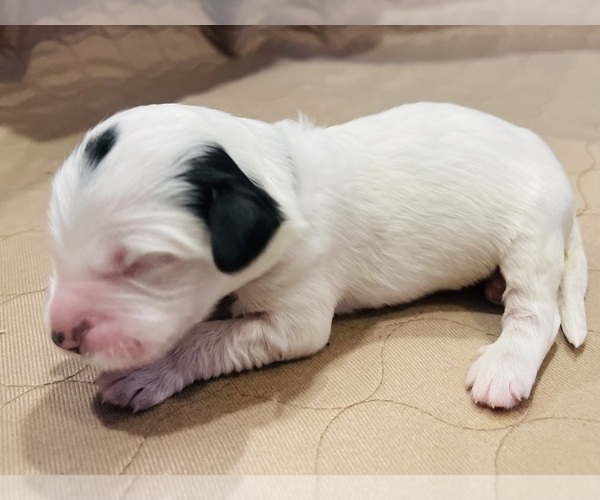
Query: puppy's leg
{"x": 506, "y": 370}
{"x": 494, "y": 288}
{"x": 217, "y": 348}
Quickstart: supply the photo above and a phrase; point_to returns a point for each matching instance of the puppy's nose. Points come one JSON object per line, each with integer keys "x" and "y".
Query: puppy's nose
{"x": 58, "y": 338}
{"x": 71, "y": 341}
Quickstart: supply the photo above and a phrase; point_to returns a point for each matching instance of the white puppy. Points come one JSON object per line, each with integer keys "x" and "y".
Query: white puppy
{"x": 165, "y": 209}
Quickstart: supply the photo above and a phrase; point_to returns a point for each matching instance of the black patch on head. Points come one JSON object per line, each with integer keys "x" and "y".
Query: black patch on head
{"x": 240, "y": 215}
{"x": 98, "y": 147}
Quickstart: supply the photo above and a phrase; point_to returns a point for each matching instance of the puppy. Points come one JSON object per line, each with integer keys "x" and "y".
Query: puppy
{"x": 163, "y": 210}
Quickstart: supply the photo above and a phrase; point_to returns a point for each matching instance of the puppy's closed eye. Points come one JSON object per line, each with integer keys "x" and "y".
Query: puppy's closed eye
{"x": 146, "y": 266}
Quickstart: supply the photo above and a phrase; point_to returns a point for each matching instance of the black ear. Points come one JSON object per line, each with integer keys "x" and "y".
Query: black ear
{"x": 240, "y": 215}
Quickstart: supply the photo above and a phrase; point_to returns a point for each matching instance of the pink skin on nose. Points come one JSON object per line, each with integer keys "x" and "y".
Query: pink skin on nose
{"x": 78, "y": 327}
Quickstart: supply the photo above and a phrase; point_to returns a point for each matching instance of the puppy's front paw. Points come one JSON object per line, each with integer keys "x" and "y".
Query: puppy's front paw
{"x": 499, "y": 378}
{"x": 141, "y": 388}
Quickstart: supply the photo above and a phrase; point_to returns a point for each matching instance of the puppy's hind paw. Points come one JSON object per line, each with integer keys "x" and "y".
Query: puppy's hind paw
{"x": 141, "y": 388}
{"x": 500, "y": 379}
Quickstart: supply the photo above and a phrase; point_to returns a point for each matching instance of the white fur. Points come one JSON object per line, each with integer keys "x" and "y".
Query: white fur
{"x": 381, "y": 210}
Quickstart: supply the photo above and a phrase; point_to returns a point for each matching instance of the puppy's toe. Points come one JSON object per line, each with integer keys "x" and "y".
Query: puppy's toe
{"x": 106, "y": 379}
{"x": 141, "y": 388}
{"x": 500, "y": 379}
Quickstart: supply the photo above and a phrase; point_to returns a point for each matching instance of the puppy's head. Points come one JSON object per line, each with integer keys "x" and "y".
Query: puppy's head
{"x": 152, "y": 221}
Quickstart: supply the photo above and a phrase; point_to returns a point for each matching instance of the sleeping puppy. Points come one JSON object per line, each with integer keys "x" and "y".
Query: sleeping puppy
{"x": 163, "y": 210}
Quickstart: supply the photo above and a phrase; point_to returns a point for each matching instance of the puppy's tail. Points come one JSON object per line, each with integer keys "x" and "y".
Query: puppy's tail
{"x": 572, "y": 290}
